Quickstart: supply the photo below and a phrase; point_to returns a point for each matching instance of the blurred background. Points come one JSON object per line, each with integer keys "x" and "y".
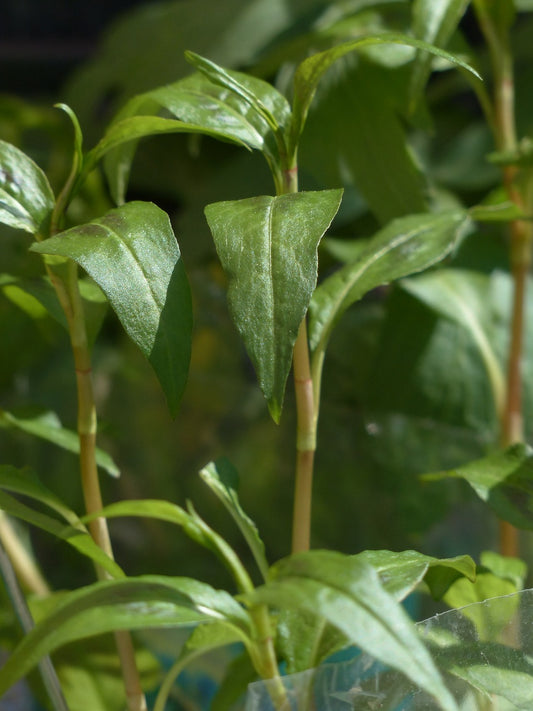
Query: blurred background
{"x": 404, "y": 391}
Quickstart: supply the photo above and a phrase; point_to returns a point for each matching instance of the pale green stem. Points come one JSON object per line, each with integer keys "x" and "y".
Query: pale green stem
{"x": 69, "y": 296}
{"x": 263, "y": 656}
{"x": 28, "y": 573}
{"x": 520, "y": 238}
{"x": 306, "y": 414}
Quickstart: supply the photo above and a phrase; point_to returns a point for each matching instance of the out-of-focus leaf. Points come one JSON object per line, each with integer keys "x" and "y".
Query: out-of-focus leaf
{"x": 355, "y": 134}
{"x": 496, "y": 212}
{"x": 26, "y": 482}
{"x": 304, "y": 641}
{"x": 135, "y": 127}
{"x": 239, "y": 674}
{"x": 498, "y": 576}
{"x": 46, "y": 425}
{"x": 134, "y": 603}
{"x": 132, "y": 254}
{"x": 459, "y": 296}
{"x": 407, "y": 245}
{"x": 78, "y": 538}
{"x": 496, "y": 670}
{"x": 347, "y": 593}
{"x": 90, "y": 673}
{"x": 145, "y": 48}
{"x": 268, "y": 249}
{"x": 38, "y": 298}
{"x": 401, "y": 572}
{"x": 504, "y": 480}
{"x": 434, "y": 21}
{"x": 26, "y": 198}
{"x": 223, "y": 479}
{"x": 312, "y": 69}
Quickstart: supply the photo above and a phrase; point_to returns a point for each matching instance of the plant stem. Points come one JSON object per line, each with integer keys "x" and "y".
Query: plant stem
{"x": 305, "y": 443}
{"x": 511, "y": 427}
{"x": 28, "y": 574}
{"x": 263, "y": 656}
{"x": 306, "y": 415}
{"x": 68, "y": 293}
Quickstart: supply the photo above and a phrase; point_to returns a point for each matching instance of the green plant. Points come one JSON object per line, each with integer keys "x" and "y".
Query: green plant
{"x": 268, "y": 250}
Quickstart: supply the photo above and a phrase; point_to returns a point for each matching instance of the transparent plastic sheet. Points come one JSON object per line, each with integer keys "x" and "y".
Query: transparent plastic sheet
{"x": 484, "y": 652}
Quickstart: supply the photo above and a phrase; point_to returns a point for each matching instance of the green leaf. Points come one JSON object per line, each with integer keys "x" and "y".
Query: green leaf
{"x": 136, "y": 127}
{"x": 157, "y": 509}
{"x": 355, "y": 135}
{"x": 134, "y": 603}
{"x": 498, "y": 576}
{"x": 306, "y": 641}
{"x": 90, "y": 673}
{"x": 223, "y": 480}
{"x": 77, "y": 160}
{"x": 434, "y": 21}
{"x": 26, "y": 198}
{"x": 461, "y": 296}
{"x": 37, "y": 297}
{"x": 401, "y": 572}
{"x": 503, "y": 211}
{"x": 132, "y": 254}
{"x": 78, "y": 538}
{"x": 501, "y": 14}
{"x": 206, "y": 108}
{"x": 347, "y": 593}
{"x": 313, "y": 68}
{"x": 268, "y": 250}
{"x": 409, "y": 244}
{"x": 495, "y": 670}
{"x": 504, "y": 480}
{"x": 191, "y": 523}
{"x": 233, "y": 686}
{"x": 46, "y": 425}
{"x": 506, "y": 568}
{"x": 261, "y": 96}
{"x": 26, "y": 483}
{"x": 203, "y": 639}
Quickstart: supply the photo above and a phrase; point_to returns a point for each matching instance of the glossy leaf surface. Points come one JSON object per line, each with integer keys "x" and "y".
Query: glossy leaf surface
{"x": 347, "y": 593}
{"x": 407, "y": 245}
{"x": 132, "y": 254}
{"x": 26, "y": 198}
{"x": 261, "y": 96}
{"x": 268, "y": 250}
{"x": 204, "y": 107}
